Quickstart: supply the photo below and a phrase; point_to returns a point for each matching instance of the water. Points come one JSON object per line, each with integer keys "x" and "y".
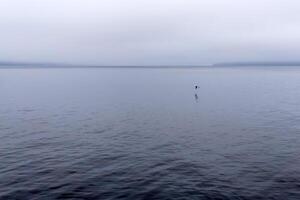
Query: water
{"x": 148, "y": 134}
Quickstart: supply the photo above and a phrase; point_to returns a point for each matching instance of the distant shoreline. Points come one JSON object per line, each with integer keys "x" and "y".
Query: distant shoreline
{"x": 7, "y": 65}
{"x": 100, "y": 67}
{"x": 257, "y": 64}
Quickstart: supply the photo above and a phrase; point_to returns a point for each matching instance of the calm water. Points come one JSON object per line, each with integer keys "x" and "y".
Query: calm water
{"x": 148, "y": 134}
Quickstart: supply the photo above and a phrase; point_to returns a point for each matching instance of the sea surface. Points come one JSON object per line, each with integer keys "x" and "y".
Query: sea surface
{"x": 148, "y": 134}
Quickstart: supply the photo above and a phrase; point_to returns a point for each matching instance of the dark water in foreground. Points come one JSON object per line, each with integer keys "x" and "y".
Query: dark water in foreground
{"x": 147, "y": 134}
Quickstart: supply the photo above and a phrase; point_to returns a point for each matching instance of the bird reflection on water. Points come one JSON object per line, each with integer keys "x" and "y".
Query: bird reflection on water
{"x": 196, "y": 97}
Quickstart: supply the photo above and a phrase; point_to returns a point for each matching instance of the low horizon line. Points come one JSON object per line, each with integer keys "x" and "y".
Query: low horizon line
{"x": 7, "y": 65}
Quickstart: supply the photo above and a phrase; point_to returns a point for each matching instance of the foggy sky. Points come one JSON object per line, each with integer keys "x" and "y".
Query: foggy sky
{"x": 149, "y": 32}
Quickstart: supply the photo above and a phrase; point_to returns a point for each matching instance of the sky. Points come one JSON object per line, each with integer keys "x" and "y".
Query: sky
{"x": 149, "y": 32}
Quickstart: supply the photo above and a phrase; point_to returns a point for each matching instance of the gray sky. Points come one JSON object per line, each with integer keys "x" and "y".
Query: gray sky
{"x": 149, "y": 32}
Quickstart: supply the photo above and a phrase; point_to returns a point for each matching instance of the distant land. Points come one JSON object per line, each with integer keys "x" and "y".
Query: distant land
{"x": 8, "y": 65}
{"x": 5, "y": 64}
{"x": 244, "y": 64}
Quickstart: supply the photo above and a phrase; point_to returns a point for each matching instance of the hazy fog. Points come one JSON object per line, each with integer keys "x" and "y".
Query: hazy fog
{"x": 149, "y": 32}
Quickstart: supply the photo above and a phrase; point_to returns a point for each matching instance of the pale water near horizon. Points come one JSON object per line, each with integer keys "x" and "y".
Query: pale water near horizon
{"x": 148, "y": 134}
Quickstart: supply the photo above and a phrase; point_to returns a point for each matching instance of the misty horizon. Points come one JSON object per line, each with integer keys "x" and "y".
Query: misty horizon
{"x": 5, "y": 64}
